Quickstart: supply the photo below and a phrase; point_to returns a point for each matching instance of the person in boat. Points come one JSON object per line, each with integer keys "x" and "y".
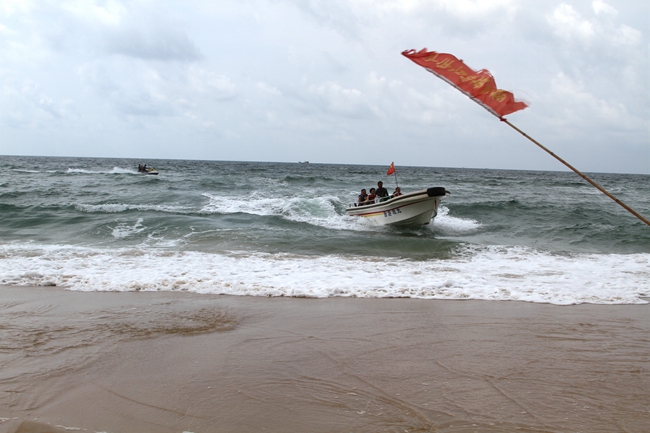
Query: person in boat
{"x": 397, "y": 192}
{"x": 381, "y": 191}
{"x": 363, "y": 197}
{"x": 140, "y": 168}
{"x": 371, "y": 196}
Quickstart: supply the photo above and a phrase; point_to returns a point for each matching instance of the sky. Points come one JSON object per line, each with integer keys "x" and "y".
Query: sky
{"x": 324, "y": 81}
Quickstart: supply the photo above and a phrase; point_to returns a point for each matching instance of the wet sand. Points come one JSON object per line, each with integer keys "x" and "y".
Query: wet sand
{"x": 174, "y": 362}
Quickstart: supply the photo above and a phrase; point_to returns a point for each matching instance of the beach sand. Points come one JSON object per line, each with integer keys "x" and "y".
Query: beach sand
{"x": 182, "y": 362}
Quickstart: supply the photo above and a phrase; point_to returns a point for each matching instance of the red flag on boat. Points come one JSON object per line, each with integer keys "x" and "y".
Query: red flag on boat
{"x": 478, "y": 85}
{"x": 391, "y": 169}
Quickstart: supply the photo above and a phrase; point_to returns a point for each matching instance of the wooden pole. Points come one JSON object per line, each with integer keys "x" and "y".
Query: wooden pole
{"x": 582, "y": 175}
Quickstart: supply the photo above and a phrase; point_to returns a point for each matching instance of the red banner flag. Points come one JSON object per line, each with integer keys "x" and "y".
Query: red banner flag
{"x": 478, "y": 85}
{"x": 391, "y": 169}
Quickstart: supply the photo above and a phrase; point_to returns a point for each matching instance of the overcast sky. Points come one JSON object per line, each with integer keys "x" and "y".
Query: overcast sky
{"x": 325, "y": 81}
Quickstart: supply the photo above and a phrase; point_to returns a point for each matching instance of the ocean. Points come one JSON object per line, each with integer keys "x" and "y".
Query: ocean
{"x": 280, "y": 229}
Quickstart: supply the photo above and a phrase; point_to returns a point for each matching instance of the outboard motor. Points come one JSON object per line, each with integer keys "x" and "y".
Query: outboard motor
{"x": 436, "y": 191}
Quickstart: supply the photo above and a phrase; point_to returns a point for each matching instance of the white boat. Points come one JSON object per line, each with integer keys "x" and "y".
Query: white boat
{"x": 412, "y": 209}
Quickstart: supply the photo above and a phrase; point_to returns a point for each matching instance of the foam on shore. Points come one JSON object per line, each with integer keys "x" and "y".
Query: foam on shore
{"x": 486, "y": 273}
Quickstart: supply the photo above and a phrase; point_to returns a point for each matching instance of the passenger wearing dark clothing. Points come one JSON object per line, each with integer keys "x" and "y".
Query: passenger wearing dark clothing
{"x": 363, "y": 197}
{"x": 381, "y": 191}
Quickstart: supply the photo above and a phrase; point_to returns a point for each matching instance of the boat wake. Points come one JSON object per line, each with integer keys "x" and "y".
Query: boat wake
{"x": 448, "y": 225}
{"x": 324, "y": 211}
{"x": 114, "y": 170}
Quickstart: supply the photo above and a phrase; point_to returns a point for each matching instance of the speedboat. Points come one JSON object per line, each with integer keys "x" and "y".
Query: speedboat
{"x": 412, "y": 209}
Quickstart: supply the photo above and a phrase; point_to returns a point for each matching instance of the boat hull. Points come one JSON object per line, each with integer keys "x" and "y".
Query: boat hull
{"x": 413, "y": 209}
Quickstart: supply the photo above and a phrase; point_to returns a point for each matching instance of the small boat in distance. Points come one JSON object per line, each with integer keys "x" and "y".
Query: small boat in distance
{"x": 412, "y": 209}
{"x": 146, "y": 170}
{"x": 303, "y": 162}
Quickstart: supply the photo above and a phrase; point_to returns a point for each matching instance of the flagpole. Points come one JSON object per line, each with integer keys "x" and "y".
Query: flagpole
{"x": 603, "y": 190}
{"x": 396, "y": 185}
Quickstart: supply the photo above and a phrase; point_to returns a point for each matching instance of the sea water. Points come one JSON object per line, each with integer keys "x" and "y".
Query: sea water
{"x": 280, "y": 229}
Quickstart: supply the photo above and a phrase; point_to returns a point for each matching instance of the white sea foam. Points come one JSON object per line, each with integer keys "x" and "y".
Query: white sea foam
{"x": 118, "y": 170}
{"x": 449, "y": 225}
{"x": 124, "y": 230}
{"x": 121, "y": 207}
{"x": 319, "y": 211}
{"x": 488, "y": 273}
{"x": 80, "y": 170}
{"x": 114, "y": 170}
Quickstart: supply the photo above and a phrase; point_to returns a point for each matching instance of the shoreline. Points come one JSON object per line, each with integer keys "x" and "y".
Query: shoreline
{"x": 179, "y": 361}
{"x": 644, "y": 298}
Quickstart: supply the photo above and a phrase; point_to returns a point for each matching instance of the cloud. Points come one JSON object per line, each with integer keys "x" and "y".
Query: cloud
{"x": 28, "y": 106}
{"x": 355, "y": 19}
{"x": 109, "y": 12}
{"x": 153, "y": 44}
{"x": 206, "y": 83}
{"x": 475, "y": 9}
{"x": 569, "y": 26}
{"x": 268, "y": 89}
{"x": 10, "y": 7}
{"x": 130, "y": 88}
{"x": 600, "y": 7}
{"x": 112, "y": 27}
{"x": 580, "y": 107}
{"x": 335, "y": 99}
{"x": 338, "y": 15}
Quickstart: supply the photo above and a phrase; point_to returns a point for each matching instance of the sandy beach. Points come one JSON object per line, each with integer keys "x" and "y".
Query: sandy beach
{"x": 182, "y": 362}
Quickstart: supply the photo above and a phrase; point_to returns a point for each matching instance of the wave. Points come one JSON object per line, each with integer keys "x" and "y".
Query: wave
{"x": 25, "y": 170}
{"x": 487, "y": 273}
{"x": 122, "y": 207}
{"x": 323, "y": 211}
{"x": 448, "y": 225}
{"x": 124, "y": 230}
{"x": 114, "y": 170}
